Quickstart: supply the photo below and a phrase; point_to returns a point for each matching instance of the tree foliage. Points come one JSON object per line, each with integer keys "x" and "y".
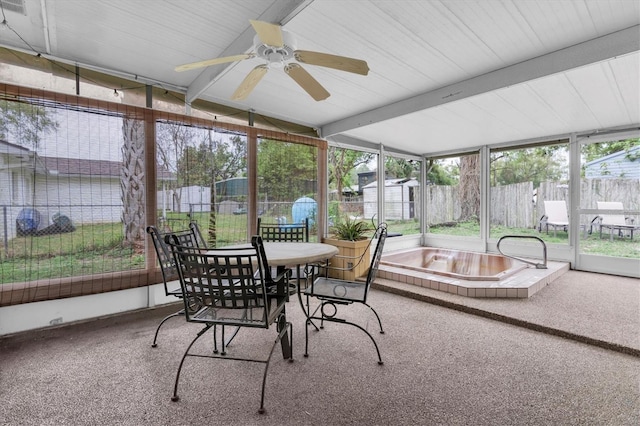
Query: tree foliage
{"x": 201, "y": 157}
{"x": 594, "y": 151}
{"x": 172, "y": 141}
{"x": 342, "y": 162}
{"x": 439, "y": 173}
{"x": 212, "y": 160}
{"x": 400, "y": 168}
{"x": 196, "y": 156}
{"x": 25, "y": 122}
{"x": 537, "y": 164}
{"x": 286, "y": 171}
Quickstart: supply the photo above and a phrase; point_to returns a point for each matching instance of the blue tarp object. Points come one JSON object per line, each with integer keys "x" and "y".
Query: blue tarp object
{"x": 28, "y": 221}
{"x": 303, "y": 208}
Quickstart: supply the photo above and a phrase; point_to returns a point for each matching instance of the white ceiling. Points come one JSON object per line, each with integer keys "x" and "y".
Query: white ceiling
{"x": 444, "y": 75}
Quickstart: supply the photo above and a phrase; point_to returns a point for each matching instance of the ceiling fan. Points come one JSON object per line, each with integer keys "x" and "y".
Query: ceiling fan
{"x": 278, "y": 48}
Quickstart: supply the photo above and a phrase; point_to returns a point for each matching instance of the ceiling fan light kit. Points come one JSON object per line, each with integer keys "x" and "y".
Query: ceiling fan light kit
{"x": 277, "y": 48}
{"x": 275, "y": 55}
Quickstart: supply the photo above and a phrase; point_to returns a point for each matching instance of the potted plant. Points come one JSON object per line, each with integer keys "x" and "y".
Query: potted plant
{"x": 352, "y": 260}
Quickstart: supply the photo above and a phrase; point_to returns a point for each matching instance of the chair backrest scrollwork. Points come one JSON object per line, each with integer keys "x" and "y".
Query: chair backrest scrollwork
{"x": 165, "y": 258}
{"x": 224, "y": 280}
{"x": 295, "y": 232}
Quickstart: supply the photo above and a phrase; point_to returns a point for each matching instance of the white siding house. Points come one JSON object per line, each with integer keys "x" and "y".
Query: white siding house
{"x": 400, "y": 199}
{"x": 621, "y": 164}
{"x": 86, "y": 191}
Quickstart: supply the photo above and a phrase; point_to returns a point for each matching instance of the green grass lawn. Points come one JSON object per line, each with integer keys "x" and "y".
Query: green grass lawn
{"x": 231, "y": 228}
{"x": 94, "y": 249}
{"x": 591, "y": 244}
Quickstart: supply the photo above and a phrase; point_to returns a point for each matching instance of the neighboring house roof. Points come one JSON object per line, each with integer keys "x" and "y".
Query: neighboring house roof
{"x": 80, "y": 167}
{"x": 71, "y": 166}
{"x": 20, "y": 156}
{"x": 395, "y": 182}
{"x": 353, "y": 189}
{"x": 13, "y": 149}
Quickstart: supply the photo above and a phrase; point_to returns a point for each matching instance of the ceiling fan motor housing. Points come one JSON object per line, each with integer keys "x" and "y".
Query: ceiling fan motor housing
{"x": 276, "y": 55}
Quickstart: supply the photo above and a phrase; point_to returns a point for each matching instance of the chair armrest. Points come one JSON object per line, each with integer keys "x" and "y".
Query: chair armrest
{"x": 326, "y": 267}
{"x": 279, "y": 286}
{"x": 284, "y": 275}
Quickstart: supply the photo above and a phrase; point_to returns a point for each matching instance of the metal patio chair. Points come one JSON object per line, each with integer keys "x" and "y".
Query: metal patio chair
{"x": 333, "y": 293}
{"x": 231, "y": 285}
{"x": 168, "y": 268}
{"x": 295, "y": 232}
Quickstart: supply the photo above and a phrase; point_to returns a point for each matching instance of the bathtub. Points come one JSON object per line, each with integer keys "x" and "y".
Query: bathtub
{"x": 455, "y": 263}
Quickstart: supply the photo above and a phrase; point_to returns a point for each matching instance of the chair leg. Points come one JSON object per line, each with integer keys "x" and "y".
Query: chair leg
{"x": 215, "y": 339}
{"x": 339, "y": 321}
{"x": 377, "y": 317}
{"x": 222, "y": 340}
{"x": 233, "y": 335}
{"x": 372, "y": 339}
{"x": 307, "y": 312}
{"x": 306, "y": 338}
{"x": 155, "y": 338}
{"x": 287, "y": 338}
{"x": 175, "y": 396}
{"x": 331, "y": 318}
{"x": 285, "y": 332}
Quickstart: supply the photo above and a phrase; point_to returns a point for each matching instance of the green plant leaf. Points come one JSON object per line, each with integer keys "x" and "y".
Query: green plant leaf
{"x": 351, "y": 230}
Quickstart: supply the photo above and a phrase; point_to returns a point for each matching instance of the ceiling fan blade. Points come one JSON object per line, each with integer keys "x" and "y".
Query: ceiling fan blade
{"x": 342, "y": 63}
{"x": 209, "y": 62}
{"x": 307, "y": 82}
{"x": 249, "y": 83}
{"x": 270, "y": 34}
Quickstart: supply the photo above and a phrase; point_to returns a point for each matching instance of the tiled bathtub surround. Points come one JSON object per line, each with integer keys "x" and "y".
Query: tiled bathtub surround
{"x": 522, "y": 284}
{"x": 465, "y": 265}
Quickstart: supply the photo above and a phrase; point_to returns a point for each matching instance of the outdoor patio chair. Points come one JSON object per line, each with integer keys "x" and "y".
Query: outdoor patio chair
{"x": 283, "y": 232}
{"x": 202, "y": 242}
{"x": 555, "y": 215}
{"x": 333, "y": 293}
{"x": 168, "y": 268}
{"x": 614, "y": 222}
{"x": 296, "y": 232}
{"x": 231, "y": 285}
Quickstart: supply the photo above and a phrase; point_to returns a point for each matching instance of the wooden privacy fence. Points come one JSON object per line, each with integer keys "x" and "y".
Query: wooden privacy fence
{"x": 627, "y": 191}
{"x": 518, "y": 206}
{"x": 511, "y": 205}
{"x": 443, "y": 204}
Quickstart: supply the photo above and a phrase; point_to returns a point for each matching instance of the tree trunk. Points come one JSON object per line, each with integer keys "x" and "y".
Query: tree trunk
{"x": 469, "y": 188}
{"x": 132, "y": 184}
{"x": 213, "y": 228}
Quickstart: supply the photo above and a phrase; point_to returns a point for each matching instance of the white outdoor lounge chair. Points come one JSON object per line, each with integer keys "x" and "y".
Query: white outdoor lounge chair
{"x": 615, "y": 222}
{"x": 555, "y": 215}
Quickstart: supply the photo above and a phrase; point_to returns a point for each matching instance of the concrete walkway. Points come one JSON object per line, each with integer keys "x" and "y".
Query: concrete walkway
{"x": 601, "y": 310}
